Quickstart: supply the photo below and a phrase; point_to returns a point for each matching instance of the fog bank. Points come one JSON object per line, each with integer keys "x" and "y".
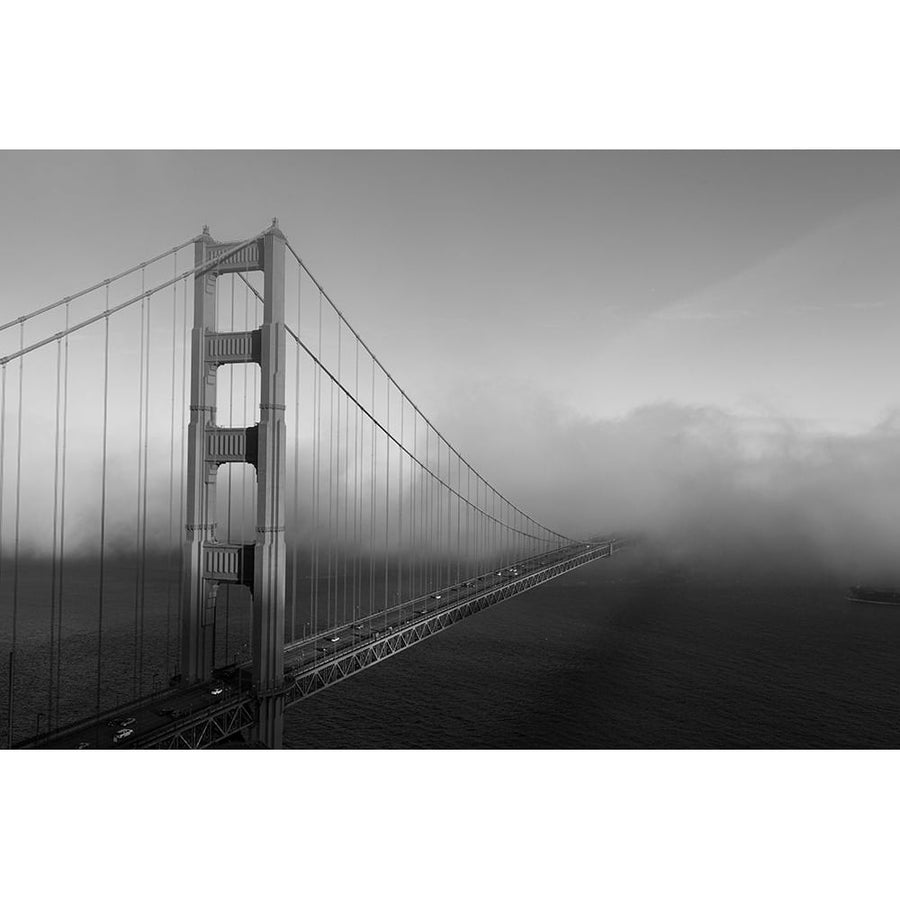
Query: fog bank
{"x": 705, "y": 484}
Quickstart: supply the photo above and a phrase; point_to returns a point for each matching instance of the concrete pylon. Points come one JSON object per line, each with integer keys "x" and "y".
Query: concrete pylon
{"x": 207, "y": 561}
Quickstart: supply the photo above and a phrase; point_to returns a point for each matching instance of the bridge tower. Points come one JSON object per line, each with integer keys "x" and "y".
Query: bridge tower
{"x": 207, "y": 561}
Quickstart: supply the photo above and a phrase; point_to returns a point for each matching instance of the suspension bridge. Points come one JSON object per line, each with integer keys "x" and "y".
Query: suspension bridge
{"x": 215, "y": 501}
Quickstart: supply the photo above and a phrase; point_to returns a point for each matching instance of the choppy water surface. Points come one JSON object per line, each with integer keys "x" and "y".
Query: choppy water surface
{"x": 634, "y": 653}
{"x": 629, "y": 652}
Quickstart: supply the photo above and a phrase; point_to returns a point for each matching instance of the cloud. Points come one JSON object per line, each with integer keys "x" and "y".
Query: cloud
{"x": 704, "y": 483}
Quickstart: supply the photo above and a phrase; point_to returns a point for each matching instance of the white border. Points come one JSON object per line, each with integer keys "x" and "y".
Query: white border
{"x": 699, "y": 73}
{"x": 767, "y": 74}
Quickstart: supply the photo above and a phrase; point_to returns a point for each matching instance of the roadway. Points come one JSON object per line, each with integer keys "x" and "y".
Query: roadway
{"x": 150, "y": 715}
{"x": 307, "y": 652}
{"x": 142, "y": 718}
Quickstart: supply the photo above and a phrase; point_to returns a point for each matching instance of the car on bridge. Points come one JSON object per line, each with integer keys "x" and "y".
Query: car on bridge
{"x": 122, "y": 735}
{"x": 121, "y": 723}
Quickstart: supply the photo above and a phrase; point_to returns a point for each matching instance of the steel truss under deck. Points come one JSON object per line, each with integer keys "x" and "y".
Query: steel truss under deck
{"x": 203, "y": 730}
{"x": 234, "y": 718}
{"x": 312, "y": 679}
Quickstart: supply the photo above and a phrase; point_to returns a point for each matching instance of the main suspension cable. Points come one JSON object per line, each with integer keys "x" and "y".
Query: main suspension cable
{"x": 106, "y": 282}
{"x": 71, "y": 329}
{"x": 438, "y": 480}
{"x": 388, "y": 375}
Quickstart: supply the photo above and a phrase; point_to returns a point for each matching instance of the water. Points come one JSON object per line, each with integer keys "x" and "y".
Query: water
{"x": 630, "y": 652}
{"x": 634, "y": 653}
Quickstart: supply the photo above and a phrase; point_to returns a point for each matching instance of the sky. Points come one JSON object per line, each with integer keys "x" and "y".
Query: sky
{"x": 726, "y": 317}
{"x": 755, "y": 281}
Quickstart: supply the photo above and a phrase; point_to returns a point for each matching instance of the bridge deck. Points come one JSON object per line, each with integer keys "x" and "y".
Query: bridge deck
{"x": 193, "y": 717}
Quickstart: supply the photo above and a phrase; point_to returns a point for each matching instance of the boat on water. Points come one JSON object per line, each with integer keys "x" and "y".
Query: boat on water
{"x": 859, "y": 594}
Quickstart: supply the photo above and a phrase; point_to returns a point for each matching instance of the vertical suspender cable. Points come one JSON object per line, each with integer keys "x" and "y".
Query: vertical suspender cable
{"x": 60, "y": 595}
{"x": 296, "y": 517}
{"x": 15, "y": 615}
{"x": 332, "y": 604}
{"x": 458, "y": 519}
{"x": 434, "y": 542}
{"x": 333, "y": 501}
{"x": 346, "y": 479}
{"x": 476, "y": 554}
{"x": 312, "y": 495}
{"x": 314, "y": 491}
{"x": 2, "y": 473}
{"x": 442, "y": 535}
{"x": 140, "y": 460}
{"x": 417, "y": 511}
{"x": 428, "y": 513}
{"x": 102, "y": 574}
{"x": 439, "y": 518}
{"x": 496, "y": 558}
{"x": 400, "y": 549}
{"x": 470, "y": 570}
{"x": 480, "y": 525}
{"x": 357, "y": 491}
{"x": 420, "y": 516}
{"x": 345, "y": 437}
{"x": 443, "y": 577}
{"x": 439, "y": 515}
{"x": 318, "y": 474}
{"x": 54, "y": 555}
{"x": 374, "y": 454}
{"x": 144, "y": 501}
{"x": 339, "y": 483}
{"x": 387, "y": 493}
{"x": 171, "y": 541}
{"x": 504, "y": 532}
{"x": 412, "y": 512}
{"x": 449, "y": 514}
{"x": 340, "y": 553}
{"x": 436, "y": 516}
{"x": 424, "y": 487}
{"x": 427, "y": 490}
{"x": 183, "y": 460}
